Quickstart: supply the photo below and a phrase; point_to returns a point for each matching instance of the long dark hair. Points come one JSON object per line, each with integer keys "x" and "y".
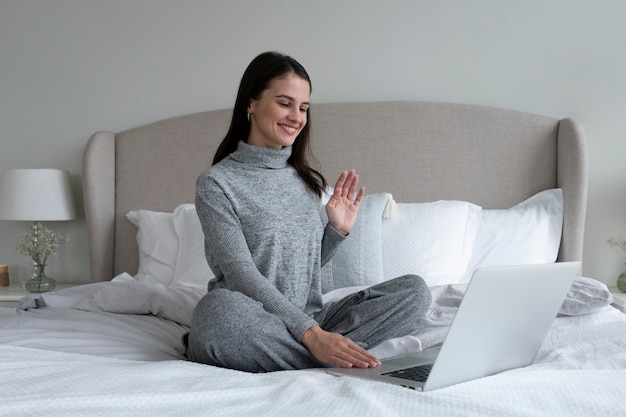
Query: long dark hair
{"x": 256, "y": 79}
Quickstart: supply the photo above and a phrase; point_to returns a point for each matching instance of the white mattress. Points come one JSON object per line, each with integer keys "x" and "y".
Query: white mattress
{"x": 68, "y": 361}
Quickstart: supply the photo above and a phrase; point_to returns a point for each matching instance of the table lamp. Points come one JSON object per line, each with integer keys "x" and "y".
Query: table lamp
{"x": 37, "y": 195}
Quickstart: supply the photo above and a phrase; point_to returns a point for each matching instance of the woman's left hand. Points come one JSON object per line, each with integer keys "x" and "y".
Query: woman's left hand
{"x": 343, "y": 207}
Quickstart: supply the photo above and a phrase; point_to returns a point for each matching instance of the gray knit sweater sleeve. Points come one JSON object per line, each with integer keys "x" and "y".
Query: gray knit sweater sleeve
{"x": 263, "y": 234}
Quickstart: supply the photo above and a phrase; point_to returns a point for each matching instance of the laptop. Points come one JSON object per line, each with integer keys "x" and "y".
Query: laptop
{"x": 502, "y": 320}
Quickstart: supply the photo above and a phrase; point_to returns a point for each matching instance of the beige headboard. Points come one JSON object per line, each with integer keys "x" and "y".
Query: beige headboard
{"x": 417, "y": 151}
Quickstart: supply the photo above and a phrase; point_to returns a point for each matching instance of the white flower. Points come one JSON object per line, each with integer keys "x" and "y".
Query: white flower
{"x": 39, "y": 243}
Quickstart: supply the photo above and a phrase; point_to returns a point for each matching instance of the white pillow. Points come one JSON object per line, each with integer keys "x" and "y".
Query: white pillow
{"x": 585, "y": 296}
{"x": 192, "y": 268}
{"x": 433, "y": 240}
{"x": 359, "y": 258}
{"x": 171, "y": 247}
{"x": 528, "y": 233}
{"x": 157, "y": 243}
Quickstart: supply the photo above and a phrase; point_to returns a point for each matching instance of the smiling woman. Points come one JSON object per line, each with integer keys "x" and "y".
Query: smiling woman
{"x": 266, "y": 243}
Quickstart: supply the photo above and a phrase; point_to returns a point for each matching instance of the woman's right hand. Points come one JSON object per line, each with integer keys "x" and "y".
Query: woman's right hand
{"x": 335, "y": 349}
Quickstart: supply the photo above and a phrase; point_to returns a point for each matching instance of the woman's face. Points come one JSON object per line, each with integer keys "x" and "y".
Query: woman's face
{"x": 277, "y": 118}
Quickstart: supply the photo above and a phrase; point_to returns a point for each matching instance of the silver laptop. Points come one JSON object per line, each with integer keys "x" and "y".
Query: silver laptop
{"x": 501, "y": 323}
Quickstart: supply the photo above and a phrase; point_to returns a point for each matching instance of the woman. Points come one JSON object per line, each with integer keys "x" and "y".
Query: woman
{"x": 258, "y": 205}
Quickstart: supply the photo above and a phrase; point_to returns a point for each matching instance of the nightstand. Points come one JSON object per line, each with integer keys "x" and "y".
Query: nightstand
{"x": 619, "y": 301}
{"x": 10, "y": 296}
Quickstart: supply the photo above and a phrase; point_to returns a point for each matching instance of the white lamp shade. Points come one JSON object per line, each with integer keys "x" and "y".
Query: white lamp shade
{"x": 36, "y": 195}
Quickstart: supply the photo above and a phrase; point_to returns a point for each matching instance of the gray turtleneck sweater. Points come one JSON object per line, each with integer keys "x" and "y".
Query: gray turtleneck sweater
{"x": 264, "y": 236}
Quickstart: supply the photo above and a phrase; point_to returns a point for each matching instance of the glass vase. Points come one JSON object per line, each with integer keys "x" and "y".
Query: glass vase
{"x": 40, "y": 282}
{"x": 621, "y": 282}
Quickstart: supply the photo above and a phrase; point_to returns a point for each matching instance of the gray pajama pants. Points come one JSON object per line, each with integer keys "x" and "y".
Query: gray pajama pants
{"x": 254, "y": 340}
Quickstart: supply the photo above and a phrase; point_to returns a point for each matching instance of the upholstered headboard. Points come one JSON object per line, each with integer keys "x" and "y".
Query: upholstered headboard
{"x": 417, "y": 151}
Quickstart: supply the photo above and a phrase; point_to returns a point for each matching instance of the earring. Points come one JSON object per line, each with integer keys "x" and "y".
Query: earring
{"x": 248, "y": 115}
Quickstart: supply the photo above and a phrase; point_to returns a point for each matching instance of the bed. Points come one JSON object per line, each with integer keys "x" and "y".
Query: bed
{"x": 473, "y": 186}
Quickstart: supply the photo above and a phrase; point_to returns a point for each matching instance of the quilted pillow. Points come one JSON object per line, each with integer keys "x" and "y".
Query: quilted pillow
{"x": 433, "y": 240}
{"x": 359, "y": 259}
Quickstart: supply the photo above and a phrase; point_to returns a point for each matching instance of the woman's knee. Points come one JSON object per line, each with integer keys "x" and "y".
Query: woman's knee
{"x": 216, "y": 326}
{"x": 210, "y": 309}
{"x": 410, "y": 287}
{"x": 231, "y": 330}
{"x": 411, "y": 283}
{"x": 417, "y": 292}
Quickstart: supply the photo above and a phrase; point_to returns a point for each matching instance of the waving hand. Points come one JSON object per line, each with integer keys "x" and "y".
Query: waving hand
{"x": 342, "y": 207}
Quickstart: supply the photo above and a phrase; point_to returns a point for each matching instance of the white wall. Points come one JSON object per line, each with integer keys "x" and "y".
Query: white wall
{"x": 71, "y": 67}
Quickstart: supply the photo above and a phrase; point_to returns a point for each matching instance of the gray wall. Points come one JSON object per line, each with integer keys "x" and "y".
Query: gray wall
{"x": 71, "y": 67}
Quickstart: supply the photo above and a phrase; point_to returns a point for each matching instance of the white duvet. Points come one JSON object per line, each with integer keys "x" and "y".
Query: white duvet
{"x": 72, "y": 356}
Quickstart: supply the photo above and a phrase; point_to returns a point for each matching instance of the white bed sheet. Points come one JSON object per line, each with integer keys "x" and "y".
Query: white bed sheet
{"x": 123, "y": 336}
{"x": 122, "y": 319}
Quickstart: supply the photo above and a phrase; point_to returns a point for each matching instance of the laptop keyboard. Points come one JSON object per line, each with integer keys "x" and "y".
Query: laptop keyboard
{"x": 417, "y": 373}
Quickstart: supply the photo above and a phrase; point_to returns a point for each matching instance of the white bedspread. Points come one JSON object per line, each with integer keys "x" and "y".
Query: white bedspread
{"x": 58, "y": 383}
{"x": 581, "y": 369}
